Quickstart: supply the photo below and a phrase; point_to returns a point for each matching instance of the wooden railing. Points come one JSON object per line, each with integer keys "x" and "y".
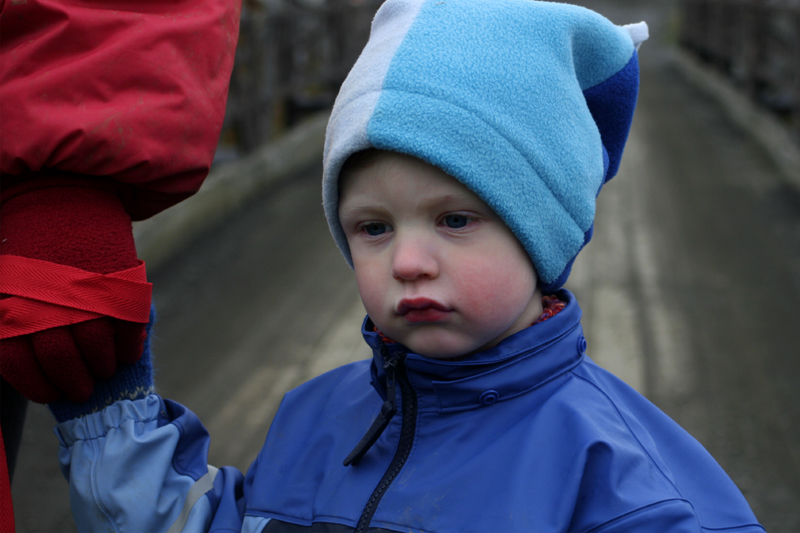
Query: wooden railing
{"x": 291, "y": 59}
{"x": 755, "y": 43}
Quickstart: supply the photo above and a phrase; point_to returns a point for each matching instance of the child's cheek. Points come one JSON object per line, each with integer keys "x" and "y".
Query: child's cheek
{"x": 372, "y": 287}
{"x": 495, "y": 293}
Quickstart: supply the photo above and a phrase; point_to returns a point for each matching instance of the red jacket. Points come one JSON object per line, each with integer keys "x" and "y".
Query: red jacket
{"x": 132, "y": 90}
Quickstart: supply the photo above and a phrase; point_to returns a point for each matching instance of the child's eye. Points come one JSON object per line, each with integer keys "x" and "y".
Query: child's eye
{"x": 456, "y": 221}
{"x": 375, "y": 228}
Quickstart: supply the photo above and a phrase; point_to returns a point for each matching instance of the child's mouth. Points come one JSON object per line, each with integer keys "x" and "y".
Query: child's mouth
{"x": 422, "y": 310}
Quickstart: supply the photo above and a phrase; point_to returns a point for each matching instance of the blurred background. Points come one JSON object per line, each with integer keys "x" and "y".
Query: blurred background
{"x": 690, "y": 288}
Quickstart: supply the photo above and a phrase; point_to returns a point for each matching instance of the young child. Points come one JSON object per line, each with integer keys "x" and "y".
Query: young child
{"x": 463, "y": 158}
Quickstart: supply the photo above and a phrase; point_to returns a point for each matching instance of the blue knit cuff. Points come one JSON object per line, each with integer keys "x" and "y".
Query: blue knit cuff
{"x": 130, "y": 382}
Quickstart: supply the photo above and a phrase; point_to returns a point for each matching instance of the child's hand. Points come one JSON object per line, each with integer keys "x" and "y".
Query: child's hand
{"x": 80, "y": 223}
{"x": 63, "y": 362}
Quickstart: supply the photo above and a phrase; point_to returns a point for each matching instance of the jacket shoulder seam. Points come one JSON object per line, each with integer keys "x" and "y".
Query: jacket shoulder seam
{"x": 641, "y": 510}
{"x": 632, "y": 432}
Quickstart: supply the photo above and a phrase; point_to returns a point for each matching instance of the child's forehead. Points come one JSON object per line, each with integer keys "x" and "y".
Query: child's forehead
{"x": 386, "y": 174}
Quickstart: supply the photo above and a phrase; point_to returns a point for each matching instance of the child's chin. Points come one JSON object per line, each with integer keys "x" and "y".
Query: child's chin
{"x": 441, "y": 348}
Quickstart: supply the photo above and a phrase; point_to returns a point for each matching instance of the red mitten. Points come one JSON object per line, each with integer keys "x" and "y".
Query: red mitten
{"x": 79, "y": 222}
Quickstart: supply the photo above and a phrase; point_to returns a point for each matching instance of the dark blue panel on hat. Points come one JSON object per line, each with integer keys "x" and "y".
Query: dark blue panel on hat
{"x": 611, "y": 104}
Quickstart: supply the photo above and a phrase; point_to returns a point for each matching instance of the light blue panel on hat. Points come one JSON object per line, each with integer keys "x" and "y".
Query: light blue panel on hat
{"x": 492, "y": 93}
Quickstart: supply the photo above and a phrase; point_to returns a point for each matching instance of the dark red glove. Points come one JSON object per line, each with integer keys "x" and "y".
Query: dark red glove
{"x": 79, "y": 222}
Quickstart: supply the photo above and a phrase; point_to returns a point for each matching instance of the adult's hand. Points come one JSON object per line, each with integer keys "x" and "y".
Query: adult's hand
{"x": 78, "y": 222}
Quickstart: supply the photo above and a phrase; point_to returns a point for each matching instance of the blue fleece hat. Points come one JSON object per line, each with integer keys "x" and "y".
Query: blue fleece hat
{"x": 526, "y": 103}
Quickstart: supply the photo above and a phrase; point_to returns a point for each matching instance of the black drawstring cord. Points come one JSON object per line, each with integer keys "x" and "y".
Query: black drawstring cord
{"x": 388, "y": 410}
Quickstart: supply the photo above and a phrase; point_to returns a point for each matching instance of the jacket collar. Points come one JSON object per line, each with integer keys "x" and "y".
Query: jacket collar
{"x": 519, "y": 364}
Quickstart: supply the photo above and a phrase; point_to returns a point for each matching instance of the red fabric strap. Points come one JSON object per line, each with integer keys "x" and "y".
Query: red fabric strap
{"x": 47, "y": 295}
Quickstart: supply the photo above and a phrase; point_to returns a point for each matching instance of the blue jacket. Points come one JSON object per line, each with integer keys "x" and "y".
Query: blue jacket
{"x": 528, "y": 436}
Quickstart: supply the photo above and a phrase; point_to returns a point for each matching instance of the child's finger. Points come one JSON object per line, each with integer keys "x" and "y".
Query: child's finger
{"x": 62, "y": 363}
{"x": 130, "y": 337}
{"x": 19, "y": 368}
{"x": 95, "y": 341}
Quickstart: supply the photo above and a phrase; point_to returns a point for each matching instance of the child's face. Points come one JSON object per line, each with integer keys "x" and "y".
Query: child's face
{"x": 437, "y": 269}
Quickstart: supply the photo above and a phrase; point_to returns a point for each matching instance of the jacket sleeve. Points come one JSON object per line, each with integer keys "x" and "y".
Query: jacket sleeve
{"x": 129, "y": 90}
{"x": 142, "y": 466}
{"x": 669, "y": 516}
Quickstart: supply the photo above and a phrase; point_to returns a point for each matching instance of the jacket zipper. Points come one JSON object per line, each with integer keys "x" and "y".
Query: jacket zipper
{"x": 388, "y": 411}
{"x": 395, "y": 374}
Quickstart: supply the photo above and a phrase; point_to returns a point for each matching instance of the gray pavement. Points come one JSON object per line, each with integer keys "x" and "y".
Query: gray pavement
{"x": 690, "y": 291}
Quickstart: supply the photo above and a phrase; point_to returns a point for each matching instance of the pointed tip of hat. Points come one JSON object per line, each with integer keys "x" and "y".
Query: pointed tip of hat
{"x": 639, "y": 33}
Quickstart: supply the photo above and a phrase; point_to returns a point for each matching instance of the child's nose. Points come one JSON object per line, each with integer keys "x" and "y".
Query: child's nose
{"x": 414, "y": 258}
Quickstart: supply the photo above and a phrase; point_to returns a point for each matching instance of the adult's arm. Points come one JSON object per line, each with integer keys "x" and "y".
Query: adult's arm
{"x": 111, "y": 113}
{"x": 133, "y": 91}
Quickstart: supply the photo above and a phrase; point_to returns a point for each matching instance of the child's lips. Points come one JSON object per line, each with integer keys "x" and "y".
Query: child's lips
{"x": 422, "y": 310}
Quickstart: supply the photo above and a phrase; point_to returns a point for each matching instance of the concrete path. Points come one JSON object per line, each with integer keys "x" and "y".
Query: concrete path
{"x": 690, "y": 291}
